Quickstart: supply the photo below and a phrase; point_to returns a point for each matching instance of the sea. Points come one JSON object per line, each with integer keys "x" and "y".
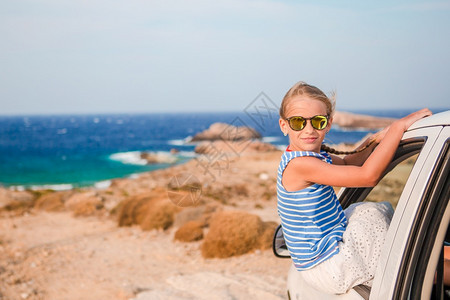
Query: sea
{"x": 62, "y": 152}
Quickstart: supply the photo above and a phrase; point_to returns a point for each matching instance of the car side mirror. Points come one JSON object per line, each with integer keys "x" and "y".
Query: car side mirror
{"x": 279, "y": 244}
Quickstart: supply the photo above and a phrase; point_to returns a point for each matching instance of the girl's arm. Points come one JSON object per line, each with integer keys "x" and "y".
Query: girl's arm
{"x": 304, "y": 171}
{"x": 358, "y": 159}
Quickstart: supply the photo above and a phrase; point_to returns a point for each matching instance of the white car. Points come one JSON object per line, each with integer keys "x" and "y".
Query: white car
{"x": 411, "y": 263}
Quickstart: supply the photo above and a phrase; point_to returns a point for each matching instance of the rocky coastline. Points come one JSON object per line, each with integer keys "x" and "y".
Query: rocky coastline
{"x": 199, "y": 230}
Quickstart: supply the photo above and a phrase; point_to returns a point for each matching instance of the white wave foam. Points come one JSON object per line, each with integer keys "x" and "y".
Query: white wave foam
{"x": 134, "y": 176}
{"x": 102, "y": 184}
{"x": 270, "y": 139}
{"x": 54, "y": 187}
{"x": 176, "y": 142}
{"x": 180, "y": 142}
{"x": 132, "y": 158}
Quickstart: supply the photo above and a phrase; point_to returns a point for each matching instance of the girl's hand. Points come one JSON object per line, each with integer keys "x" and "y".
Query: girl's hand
{"x": 410, "y": 119}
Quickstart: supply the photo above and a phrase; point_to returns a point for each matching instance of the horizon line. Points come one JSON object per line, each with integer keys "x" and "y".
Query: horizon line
{"x": 43, "y": 114}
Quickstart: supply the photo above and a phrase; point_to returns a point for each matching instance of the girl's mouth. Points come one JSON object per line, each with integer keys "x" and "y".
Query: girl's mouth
{"x": 309, "y": 140}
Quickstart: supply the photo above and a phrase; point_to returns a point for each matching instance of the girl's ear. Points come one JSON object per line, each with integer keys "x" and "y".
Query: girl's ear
{"x": 283, "y": 126}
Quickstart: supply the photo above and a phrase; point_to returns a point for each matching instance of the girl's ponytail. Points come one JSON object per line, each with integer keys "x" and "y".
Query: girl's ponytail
{"x": 337, "y": 152}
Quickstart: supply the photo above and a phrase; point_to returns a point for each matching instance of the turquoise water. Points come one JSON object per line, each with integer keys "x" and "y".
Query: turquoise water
{"x": 67, "y": 151}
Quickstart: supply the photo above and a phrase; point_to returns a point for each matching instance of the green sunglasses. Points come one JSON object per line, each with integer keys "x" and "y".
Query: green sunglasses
{"x": 318, "y": 122}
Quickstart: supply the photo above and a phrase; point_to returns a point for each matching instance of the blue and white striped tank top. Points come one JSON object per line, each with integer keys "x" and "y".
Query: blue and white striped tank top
{"x": 312, "y": 219}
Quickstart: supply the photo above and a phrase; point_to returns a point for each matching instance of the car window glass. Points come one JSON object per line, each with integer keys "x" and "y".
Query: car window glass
{"x": 391, "y": 186}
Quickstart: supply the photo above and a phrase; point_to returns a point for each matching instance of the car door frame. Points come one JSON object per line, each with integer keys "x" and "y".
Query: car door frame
{"x": 395, "y": 270}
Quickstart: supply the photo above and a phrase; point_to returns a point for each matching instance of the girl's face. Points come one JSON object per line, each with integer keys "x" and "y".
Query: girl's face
{"x": 307, "y": 139}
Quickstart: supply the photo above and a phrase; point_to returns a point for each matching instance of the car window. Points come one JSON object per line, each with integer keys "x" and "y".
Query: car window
{"x": 391, "y": 186}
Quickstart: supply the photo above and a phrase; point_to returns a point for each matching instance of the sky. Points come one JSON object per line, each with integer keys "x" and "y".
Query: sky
{"x": 146, "y": 56}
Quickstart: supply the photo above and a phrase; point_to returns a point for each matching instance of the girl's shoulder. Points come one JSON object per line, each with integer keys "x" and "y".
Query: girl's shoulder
{"x": 294, "y": 180}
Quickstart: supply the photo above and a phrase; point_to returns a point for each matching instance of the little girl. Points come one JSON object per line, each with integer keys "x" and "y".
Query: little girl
{"x": 333, "y": 249}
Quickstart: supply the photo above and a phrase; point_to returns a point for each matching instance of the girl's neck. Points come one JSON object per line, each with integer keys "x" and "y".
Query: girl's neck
{"x": 289, "y": 149}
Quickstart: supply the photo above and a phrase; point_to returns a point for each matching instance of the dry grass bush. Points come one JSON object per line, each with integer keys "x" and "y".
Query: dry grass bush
{"x": 233, "y": 233}
{"x": 16, "y": 202}
{"x": 129, "y": 211}
{"x": 39, "y": 193}
{"x": 150, "y": 210}
{"x": 50, "y": 201}
{"x": 190, "y": 232}
{"x": 87, "y": 208}
{"x": 132, "y": 210}
{"x": 84, "y": 204}
{"x": 159, "y": 215}
{"x": 18, "y": 207}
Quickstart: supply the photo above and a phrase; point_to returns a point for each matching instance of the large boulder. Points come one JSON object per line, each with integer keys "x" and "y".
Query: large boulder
{"x": 158, "y": 158}
{"x": 350, "y": 120}
{"x": 223, "y": 131}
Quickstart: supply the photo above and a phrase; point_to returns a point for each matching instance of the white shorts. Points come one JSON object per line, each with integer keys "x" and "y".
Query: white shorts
{"x": 359, "y": 250}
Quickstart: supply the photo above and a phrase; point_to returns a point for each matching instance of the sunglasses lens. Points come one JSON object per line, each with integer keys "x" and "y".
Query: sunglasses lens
{"x": 297, "y": 123}
{"x": 319, "y": 122}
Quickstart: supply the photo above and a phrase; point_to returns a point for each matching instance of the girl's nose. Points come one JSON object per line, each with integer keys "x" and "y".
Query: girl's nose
{"x": 308, "y": 127}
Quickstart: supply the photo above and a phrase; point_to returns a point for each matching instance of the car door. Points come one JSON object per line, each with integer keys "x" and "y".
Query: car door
{"x": 414, "y": 242}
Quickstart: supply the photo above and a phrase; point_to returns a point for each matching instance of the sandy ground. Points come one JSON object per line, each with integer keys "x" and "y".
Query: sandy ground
{"x": 55, "y": 255}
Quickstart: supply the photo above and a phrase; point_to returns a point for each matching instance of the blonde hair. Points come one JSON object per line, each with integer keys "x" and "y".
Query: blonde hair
{"x": 303, "y": 89}
{"x": 337, "y": 152}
